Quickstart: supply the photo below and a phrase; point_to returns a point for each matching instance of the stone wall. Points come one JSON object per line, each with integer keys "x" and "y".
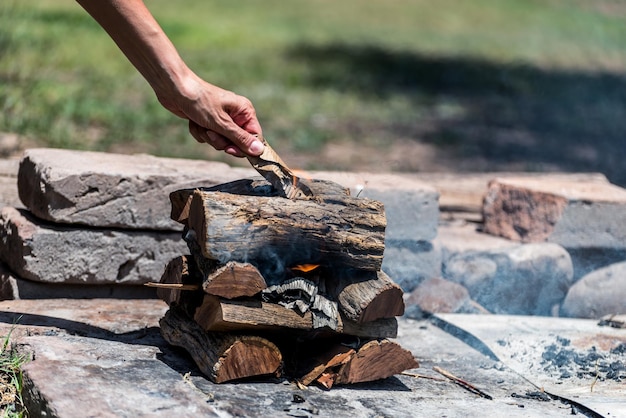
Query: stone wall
{"x": 97, "y": 225}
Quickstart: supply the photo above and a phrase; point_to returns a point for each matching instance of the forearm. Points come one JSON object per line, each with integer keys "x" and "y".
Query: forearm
{"x": 138, "y": 35}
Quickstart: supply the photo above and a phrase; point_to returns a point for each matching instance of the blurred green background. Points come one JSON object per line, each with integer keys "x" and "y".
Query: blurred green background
{"x": 377, "y": 85}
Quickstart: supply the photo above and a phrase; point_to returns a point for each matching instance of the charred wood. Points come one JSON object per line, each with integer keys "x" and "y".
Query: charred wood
{"x": 344, "y": 232}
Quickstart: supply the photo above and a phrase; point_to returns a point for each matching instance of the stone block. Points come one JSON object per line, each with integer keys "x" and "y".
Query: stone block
{"x": 409, "y": 263}
{"x": 67, "y": 254}
{"x": 522, "y": 280}
{"x": 601, "y": 292}
{"x": 411, "y": 206}
{"x": 568, "y": 213}
{"x": 110, "y": 190}
{"x": 13, "y": 288}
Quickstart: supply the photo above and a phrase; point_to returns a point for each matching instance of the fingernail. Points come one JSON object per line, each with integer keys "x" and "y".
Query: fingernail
{"x": 256, "y": 147}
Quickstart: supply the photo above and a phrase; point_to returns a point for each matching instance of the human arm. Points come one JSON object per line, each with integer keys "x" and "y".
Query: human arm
{"x": 216, "y": 116}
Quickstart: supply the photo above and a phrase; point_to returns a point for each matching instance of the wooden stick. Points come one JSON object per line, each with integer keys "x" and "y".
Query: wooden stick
{"x": 422, "y": 376}
{"x": 177, "y": 286}
{"x": 462, "y": 383}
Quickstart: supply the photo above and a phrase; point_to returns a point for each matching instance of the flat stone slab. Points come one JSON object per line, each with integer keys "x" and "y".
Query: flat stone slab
{"x": 110, "y": 190}
{"x": 132, "y": 191}
{"x": 570, "y": 213}
{"x": 112, "y": 361}
{"x": 67, "y": 254}
{"x": 13, "y": 287}
{"x": 572, "y": 358}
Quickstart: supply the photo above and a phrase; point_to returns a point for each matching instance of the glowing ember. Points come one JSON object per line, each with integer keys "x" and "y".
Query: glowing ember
{"x": 305, "y": 268}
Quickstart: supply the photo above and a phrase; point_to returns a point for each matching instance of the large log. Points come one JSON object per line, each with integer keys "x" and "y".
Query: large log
{"x": 181, "y": 199}
{"x": 220, "y": 356}
{"x": 346, "y": 232}
{"x": 216, "y": 314}
{"x": 367, "y": 296}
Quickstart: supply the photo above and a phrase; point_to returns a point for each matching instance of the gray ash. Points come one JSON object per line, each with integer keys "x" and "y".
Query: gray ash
{"x": 560, "y": 358}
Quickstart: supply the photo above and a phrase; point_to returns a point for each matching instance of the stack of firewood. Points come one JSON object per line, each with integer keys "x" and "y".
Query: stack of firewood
{"x": 275, "y": 286}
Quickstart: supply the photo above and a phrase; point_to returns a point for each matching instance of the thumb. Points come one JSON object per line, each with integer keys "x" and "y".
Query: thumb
{"x": 248, "y": 143}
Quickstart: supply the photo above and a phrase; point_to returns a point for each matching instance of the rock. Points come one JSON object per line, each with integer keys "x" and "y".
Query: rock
{"x": 437, "y": 295}
{"x": 67, "y": 254}
{"x": 524, "y": 280}
{"x": 599, "y": 293}
{"x": 408, "y": 263}
{"x": 411, "y": 206}
{"x": 13, "y": 287}
{"x": 572, "y": 214}
{"x": 464, "y": 193}
{"x": 110, "y": 190}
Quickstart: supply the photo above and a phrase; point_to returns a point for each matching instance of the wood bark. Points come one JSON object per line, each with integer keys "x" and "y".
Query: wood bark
{"x": 376, "y": 360}
{"x": 221, "y": 356}
{"x": 368, "y": 296}
{"x": 181, "y": 199}
{"x": 216, "y": 314}
{"x": 345, "y": 233}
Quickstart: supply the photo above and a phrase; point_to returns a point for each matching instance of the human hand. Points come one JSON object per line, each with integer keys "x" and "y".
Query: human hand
{"x": 218, "y": 117}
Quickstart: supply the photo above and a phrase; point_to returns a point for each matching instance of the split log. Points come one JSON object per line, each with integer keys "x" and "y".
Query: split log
{"x": 216, "y": 314}
{"x": 234, "y": 280}
{"x": 367, "y": 296}
{"x": 181, "y": 199}
{"x": 376, "y": 360}
{"x": 222, "y": 357}
{"x": 346, "y": 232}
{"x": 229, "y": 281}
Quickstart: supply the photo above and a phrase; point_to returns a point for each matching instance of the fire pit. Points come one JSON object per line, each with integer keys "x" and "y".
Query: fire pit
{"x": 273, "y": 285}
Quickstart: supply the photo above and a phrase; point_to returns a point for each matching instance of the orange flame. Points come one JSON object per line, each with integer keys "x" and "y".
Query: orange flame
{"x": 305, "y": 268}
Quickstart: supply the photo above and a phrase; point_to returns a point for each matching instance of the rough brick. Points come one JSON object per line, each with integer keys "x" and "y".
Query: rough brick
{"x": 527, "y": 279}
{"x": 572, "y": 214}
{"x": 599, "y": 293}
{"x": 67, "y": 254}
{"x": 110, "y": 190}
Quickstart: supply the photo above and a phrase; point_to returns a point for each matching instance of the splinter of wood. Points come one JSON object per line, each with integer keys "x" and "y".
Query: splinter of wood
{"x": 466, "y": 385}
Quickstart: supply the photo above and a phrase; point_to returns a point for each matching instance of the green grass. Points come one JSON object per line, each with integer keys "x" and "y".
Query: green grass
{"x": 490, "y": 84}
{"x": 11, "y": 362}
